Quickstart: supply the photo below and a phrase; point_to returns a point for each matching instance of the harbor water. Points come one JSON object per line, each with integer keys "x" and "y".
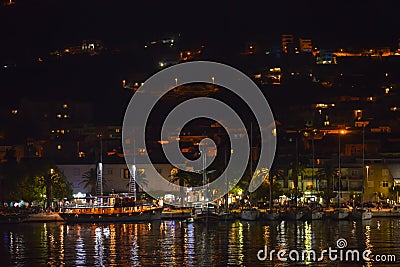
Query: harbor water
{"x": 180, "y": 243}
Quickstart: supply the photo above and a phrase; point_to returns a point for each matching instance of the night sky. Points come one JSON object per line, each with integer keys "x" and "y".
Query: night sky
{"x": 37, "y": 26}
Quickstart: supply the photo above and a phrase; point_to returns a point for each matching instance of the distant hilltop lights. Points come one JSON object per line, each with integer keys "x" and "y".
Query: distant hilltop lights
{"x": 89, "y": 47}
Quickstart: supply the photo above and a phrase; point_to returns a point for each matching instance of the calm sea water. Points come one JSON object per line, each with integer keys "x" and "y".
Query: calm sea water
{"x": 175, "y": 243}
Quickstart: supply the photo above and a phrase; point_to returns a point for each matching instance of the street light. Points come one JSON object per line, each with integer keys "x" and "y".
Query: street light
{"x": 49, "y": 184}
{"x": 341, "y": 132}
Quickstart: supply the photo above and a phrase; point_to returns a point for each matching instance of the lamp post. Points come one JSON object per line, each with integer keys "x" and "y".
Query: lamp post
{"x": 339, "y": 166}
{"x": 49, "y": 184}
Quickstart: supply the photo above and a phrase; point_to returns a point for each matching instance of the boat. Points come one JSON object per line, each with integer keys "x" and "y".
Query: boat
{"x": 12, "y": 217}
{"x": 271, "y": 215}
{"x": 340, "y": 214}
{"x": 250, "y": 214}
{"x": 205, "y": 211}
{"x": 226, "y": 216}
{"x": 114, "y": 208}
{"x": 361, "y": 214}
{"x": 317, "y": 215}
{"x": 294, "y": 215}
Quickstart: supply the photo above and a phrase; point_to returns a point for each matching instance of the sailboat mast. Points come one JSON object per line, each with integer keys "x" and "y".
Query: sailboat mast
{"x": 227, "y": 185}
{"x": 270, "y": 189}
{"x": 363, "y": 165}
{"x": 251, "y": 158}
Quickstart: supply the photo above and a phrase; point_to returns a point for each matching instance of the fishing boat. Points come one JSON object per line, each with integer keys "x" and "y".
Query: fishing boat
{"x": 114, "y": 208}
{"x": 205, "y": 211}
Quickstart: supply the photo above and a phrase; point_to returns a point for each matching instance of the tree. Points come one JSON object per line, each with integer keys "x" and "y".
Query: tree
{"x": 183, "y": 178}
{"x": 89, "y": 179}
{"x": 45, "y": 184}
{"x": 395, "y": 192}
{"x": 327, "y": 172}
{"x": 10, "y": 175}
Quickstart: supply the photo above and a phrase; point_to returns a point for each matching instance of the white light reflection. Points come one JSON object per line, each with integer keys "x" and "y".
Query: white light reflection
{"x": 307, "y": 240}
{"x": 135, "y": 247}
{"x": 99, "y": 247}
{"x": 16, "y": 248}
{"x": 368, "y": 244}
{"x": 189, "y": 245}
{"x": 80, "y": 251}
{"x": 236, "y": 245}
{"x": 281, "y": 238}
{"x": 62, "y": 250}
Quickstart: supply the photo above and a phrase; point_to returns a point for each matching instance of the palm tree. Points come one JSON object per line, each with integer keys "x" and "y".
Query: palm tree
{"x": 89, "y": 179}
{"x": 182, "y": 177}
{"x": 327, "y": 172}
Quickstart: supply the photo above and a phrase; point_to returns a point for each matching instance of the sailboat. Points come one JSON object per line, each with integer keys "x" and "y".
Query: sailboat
{"x": 271, "y": 215}
{"x": 362, "y": 213}
{"x": 250, "y": 213}
{"x": 205, "y": 210}
{"x": 340, "y": 213}
{"x": 226, "y": 215}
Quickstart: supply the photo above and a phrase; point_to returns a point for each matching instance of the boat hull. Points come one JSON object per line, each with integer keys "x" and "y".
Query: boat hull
{"x": 317, "y": 215}
{"x": 340, "y": 215}
{"x": 271, "y": 216}
{"x": 204, "y": 217}
{"x": 362, "y": 215}
{"x": 145, "y": 215}
{"x": 250, "y": 215}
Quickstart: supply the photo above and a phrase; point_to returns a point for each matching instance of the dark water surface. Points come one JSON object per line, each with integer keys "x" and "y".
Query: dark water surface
{"x": 175, "y": 243}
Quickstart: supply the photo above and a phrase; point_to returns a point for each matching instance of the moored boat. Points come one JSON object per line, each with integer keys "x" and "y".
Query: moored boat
{"x": 294, "y": 215}
{"x": 317, "y": 215}
{"x": 110, "y": 209}
{"x": 205, "y": 211}
{"x": 361, "y": 214}
{"x": 340, "y": 214}
{"x": 271, "y": 215}
{"x": 250, "y": 214}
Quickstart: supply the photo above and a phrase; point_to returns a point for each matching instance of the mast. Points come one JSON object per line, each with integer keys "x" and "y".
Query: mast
{"x": 227, "y": 186}
{"x": 363, "y": 165}
{"x": 251, "y": 159}
{"x": 339, "y": 176}
{"x": 99, "y": 181}
{"x": 270, "y": 189}
{"x": 132, "y": 180}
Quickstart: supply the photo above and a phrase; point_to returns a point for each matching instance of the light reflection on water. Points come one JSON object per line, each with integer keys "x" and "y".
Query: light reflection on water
{"x": 175, "y": 243}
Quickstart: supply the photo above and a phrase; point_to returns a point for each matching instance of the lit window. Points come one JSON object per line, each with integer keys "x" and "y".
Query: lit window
{"x": 59, "y": 116}
{"x": 59, "y": 147}
{"x": 117, "y": 130}
{"x": 65, "y": 106}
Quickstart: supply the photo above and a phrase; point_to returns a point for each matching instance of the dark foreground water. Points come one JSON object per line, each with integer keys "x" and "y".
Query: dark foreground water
{"x": 174, "y": 243}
